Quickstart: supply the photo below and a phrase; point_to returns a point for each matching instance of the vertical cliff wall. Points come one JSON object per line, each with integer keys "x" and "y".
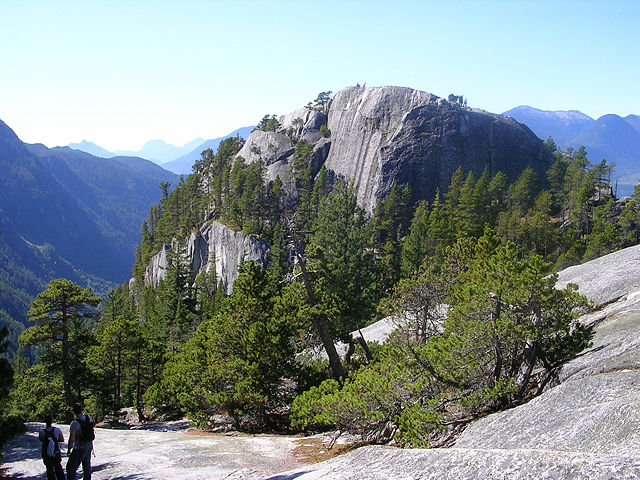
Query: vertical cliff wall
{"x": 216, "y": 248}
{"x": 385, "y": 135}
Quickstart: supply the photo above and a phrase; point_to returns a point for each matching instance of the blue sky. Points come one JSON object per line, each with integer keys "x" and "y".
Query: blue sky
{"x": 119, "y": 73}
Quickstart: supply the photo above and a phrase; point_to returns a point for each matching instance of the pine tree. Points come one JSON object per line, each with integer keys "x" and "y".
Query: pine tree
{"x": 59, "y": 311}
{"x": 416, "y": 244}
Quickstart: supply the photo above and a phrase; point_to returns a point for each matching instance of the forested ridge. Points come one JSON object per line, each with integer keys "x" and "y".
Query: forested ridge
{"x": 467, "y": 277}
{"x": 65, "y": 213}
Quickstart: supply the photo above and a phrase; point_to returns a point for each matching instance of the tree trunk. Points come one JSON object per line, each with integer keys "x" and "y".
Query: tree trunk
{"x": 139, "y": 408}
{"x": 530, "y": 355}
{"x": 66, "y": 381}
{"x": 365, "y": 347}
{"x": 320, "y": 324}
{"x": 497, "y": 370}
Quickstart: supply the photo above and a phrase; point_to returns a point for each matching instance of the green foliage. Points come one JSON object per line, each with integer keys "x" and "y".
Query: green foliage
{"x": 235, "y": 361}
{"x": 268, "y": 123}
{"x": 629, "y": 222}
{"x": 37, "y": 392}
{"x": 324, "y": 131}
{"x": 6, "y": 372}
{"x": 119, "y": 361}
{"x": 367, "y": 401}
{"x": 321, "y": 103}
{"x": 9, "y": 425}
{"x": 61, "y": 313}
{"x": 505, "y": 319}
{"x": 341, "y": 255}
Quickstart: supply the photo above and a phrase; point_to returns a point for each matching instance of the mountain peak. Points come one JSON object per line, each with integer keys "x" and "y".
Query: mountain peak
{"x": 562, "y": 125}
{"x": 91, "y": 148}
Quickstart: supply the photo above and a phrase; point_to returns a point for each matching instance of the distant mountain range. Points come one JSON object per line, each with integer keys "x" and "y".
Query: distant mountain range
{"x": 66, "y": 213}
{"x": 611, "y": 137}
{"x": 175, "y": 159}
{"x": 183, "y": 164}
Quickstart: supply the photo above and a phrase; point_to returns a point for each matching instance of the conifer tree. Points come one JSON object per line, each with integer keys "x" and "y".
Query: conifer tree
{"x": 60, "y": 311}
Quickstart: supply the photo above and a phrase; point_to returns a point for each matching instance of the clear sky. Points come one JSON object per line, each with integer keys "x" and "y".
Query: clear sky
{"x": 119, "y": 73}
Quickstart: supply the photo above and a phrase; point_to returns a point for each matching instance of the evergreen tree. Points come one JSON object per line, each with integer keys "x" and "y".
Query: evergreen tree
{"x": 61, "y": 311}
{"x": 235, "y": 361}
{"x": 8, "y": 426}
{"x": 416, "y": 244}
{"x": 629, "y": 222}
{"x": 115, "y": 359}
{"x": 341, "y": 255}
{"x": 604, "y": 236}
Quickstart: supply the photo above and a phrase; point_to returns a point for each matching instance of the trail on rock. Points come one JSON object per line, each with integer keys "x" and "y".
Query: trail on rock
{"x": 153, "y": 455}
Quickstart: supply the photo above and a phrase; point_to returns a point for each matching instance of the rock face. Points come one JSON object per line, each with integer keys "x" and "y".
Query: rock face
{"x": 385, "y": 135}
{"x": 377, "y": 137}
{"x": 215, "y": 247}
{"x": 585, "y": 426}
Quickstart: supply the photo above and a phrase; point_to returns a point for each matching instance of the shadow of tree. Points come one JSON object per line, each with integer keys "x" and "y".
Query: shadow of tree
{"x": 24, "y": 446}
{"x": 110, "y": 465}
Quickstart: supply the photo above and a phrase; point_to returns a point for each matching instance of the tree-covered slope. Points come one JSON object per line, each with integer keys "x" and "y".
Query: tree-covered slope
{"x": 118, "y": 190}
{"x": 67, "y": 214}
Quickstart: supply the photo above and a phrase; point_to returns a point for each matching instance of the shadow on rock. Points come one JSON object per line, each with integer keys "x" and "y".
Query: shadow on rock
{"x": 15, "y": 476}
{"x": 291, "y": 476}
{"x": 111, "y": 466}
{"x": 24, "y": 446}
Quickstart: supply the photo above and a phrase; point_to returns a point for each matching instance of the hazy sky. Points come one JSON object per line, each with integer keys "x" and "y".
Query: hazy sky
{"x": 119, "y": 73}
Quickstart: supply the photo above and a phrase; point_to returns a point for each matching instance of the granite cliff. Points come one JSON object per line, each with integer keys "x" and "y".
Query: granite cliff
{"x": 385, "y": 135}
{"x": 377, "y": 137}
{"x": 215, "y": 247}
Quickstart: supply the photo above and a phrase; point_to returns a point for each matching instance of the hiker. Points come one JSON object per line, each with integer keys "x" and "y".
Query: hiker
{"x": 51, "y": 438}
{"x": 81, "y": 440}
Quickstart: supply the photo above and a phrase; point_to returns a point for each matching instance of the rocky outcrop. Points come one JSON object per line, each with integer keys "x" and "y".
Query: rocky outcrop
{"x": 215, "y": 248}
{"x": 586, "y": 425}
{"x": 228, "y": 249}
{"x": 385, "y": 135}
{"x": 275, "y": 149}
{"x": 377, "y": 137}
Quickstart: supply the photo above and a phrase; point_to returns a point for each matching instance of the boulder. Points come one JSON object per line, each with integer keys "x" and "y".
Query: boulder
{"x": 304, "y": 124}
{"x": 275, "y": 149}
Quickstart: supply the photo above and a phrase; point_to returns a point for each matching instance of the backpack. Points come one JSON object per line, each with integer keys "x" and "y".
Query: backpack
{"x": 86, "y": 434}
{"x": 50, "y": 447}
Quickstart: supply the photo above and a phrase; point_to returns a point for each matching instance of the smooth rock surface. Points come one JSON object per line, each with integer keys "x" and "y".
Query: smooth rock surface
{"x": 163, "y": 454}
{"x": 386, "y": 463}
